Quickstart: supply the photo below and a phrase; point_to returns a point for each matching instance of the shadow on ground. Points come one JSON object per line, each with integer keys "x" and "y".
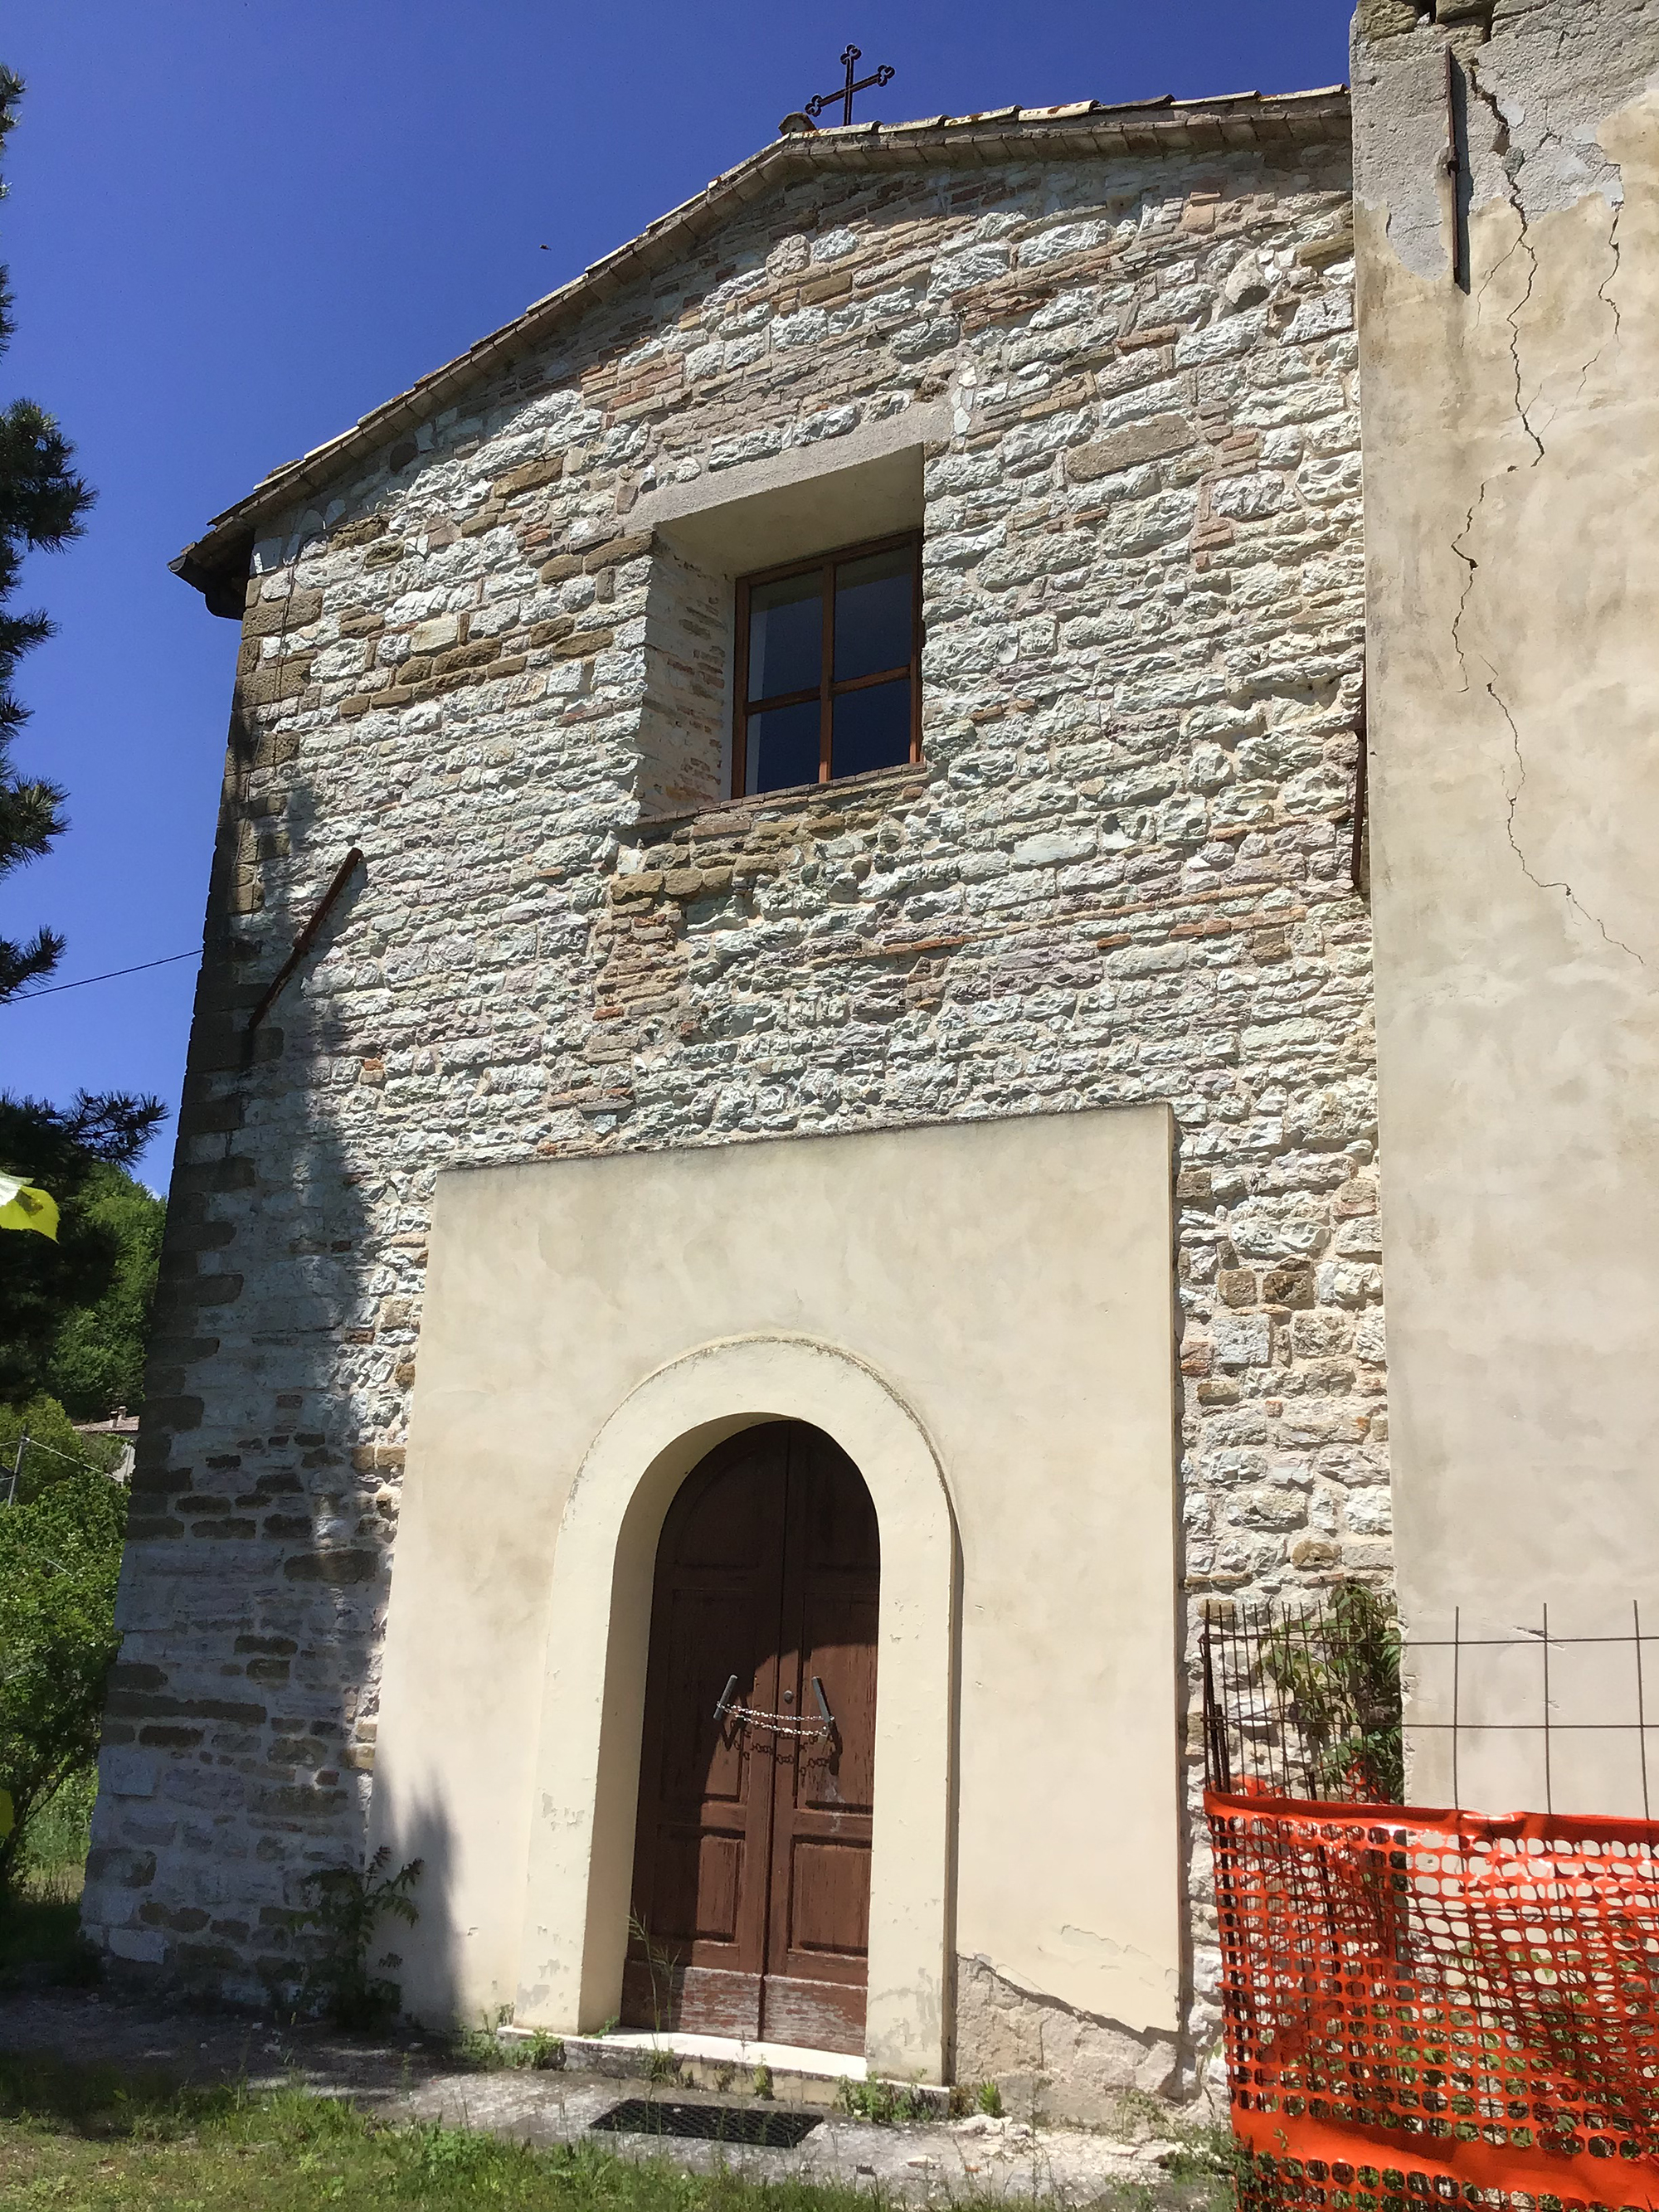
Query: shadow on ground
{"x": 94, "y": 2063}
{"x": 41, "y": 1946}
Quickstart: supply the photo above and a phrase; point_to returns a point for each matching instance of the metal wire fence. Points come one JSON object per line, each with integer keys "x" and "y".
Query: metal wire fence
{"x": 1305, "y": 1702}
{"x": 1335, "y": 1701}
{"x": 1433, "y": 2005}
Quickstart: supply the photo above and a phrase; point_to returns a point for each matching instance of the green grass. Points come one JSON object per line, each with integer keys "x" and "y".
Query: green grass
{"x": 55, "y": 1845}
{"x": 40, "y": 1939}
{"x": 482, "y": 2050}
{"x": 91, "y": 2139}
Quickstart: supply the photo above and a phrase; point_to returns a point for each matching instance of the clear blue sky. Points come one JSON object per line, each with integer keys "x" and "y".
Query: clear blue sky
{"x": 234, "y": 225}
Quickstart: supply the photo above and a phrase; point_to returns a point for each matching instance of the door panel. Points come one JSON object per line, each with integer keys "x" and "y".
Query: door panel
{"x": 829, "y": 1900}
{"x": 752, "y": 1856}
{"x": 714, "y": 1633}
{"x": 839, "y": 1640}
{"x": 699, "y": 1879}
{"x": 818, "y": 1933}
{"x": 704, "y": 1818}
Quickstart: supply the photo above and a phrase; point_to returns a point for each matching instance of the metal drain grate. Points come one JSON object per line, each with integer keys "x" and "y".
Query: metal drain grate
{"x": 733, "y": 2123}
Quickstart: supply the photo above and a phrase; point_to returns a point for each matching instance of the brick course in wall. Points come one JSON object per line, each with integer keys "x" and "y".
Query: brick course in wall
{"x": 1122, "y": 872}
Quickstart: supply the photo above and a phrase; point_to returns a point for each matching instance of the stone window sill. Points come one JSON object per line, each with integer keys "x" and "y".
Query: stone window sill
{"x": 795, "y": 797}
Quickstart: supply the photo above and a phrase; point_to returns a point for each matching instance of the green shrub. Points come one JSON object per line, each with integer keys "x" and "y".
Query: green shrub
{"x": 1340, "y": 1670}
{"x": 56, "y": 1837}
{"x": 97, "y": 1361}
{"x": 76, "y": 1310}
{"x": 966, "y": 2097}
{"x": 52, "y": 1450}
{"x": 60, "y": 1554}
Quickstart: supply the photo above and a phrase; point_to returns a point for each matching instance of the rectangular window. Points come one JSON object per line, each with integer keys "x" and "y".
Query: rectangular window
{"x": 829, "y": 667}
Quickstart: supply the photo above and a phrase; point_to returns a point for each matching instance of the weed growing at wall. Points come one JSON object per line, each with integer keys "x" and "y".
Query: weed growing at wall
{"x": 347, "y": 1907}
{"x": 885, "y": 2102}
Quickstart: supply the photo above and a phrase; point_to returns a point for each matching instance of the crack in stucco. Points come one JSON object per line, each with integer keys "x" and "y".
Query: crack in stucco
{"x": 1603, "y": 290}
{"x": 1511, "y": 162}
{"x": 1512, "y": 194}
{"x": 1554, "y": 884}
{"x": 1458, "y": 544}
{"x": 1604, "y": 294}
{"x": 1497, "y": 269}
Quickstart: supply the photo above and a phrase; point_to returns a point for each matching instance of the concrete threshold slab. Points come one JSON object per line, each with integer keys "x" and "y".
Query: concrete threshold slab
{"x": 716, "y": 2061}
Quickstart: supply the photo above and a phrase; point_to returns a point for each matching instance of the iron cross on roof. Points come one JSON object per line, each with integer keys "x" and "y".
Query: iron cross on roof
{"x": 882, "y": 76}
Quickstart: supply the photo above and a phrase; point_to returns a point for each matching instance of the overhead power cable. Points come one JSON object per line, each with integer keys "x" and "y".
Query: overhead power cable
{"x": 108, "y": 977}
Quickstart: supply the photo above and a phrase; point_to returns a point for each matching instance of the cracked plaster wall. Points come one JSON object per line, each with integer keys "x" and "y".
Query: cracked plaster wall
{"x": 1047, "y": 2057}
{"x": 1511, "y": 478}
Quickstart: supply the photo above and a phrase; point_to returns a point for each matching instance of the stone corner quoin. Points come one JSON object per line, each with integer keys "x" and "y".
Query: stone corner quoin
{"x": 1122, "y": 874}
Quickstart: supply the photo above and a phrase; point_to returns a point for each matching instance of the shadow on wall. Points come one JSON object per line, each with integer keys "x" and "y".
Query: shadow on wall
{"x": 238, "y": 1746}
{"x": 431, "y": 1981}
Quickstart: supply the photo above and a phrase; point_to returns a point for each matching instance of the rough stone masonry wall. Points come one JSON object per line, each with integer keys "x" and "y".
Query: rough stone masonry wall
{"x": 1123, "y": 874}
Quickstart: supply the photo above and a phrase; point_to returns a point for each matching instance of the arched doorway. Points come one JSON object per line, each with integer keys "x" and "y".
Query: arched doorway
{"x": 751, "y": 1870}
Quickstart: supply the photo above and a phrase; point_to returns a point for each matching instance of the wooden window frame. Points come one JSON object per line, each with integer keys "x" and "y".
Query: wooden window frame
{"x": 827, "y": 690}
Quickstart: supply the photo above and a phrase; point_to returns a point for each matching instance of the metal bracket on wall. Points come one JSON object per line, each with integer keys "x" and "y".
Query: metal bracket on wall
{"x": 1455, "y": 164}
{"x": 1359, "y": 853}
{"x": 307, "y": 936}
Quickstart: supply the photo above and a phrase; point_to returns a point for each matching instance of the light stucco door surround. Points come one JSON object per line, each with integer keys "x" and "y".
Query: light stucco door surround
{"x": 981, "y": 1314}
{"x": 587, "y": 1762}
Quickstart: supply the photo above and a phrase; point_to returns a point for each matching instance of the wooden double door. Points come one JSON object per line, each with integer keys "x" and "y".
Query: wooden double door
{"x": 752, "y": 1870}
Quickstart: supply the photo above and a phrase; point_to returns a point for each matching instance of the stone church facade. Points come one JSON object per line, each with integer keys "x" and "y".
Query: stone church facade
{"x": 1006, "y": 1111}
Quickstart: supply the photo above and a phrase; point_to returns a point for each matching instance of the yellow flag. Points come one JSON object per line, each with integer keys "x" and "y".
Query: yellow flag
{"x": 23, "y": 1206}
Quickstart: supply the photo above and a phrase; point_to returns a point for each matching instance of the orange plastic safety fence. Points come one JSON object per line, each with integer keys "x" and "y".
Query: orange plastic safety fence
{"x": 1426, "y": 2006}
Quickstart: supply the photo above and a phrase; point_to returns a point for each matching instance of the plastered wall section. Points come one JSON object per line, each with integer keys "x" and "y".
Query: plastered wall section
{"x": 1120, "y": 876}
{"x": 1010, "y": 1282}
{"x": 1511, "y": 437}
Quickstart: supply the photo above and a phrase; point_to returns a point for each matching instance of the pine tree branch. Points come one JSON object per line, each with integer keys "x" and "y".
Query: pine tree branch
{"x": 31, "y": 816}
{"x": 21, "y": 964}
{"x": 113, "y": 1126}
{"x": 44, "y": 501}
